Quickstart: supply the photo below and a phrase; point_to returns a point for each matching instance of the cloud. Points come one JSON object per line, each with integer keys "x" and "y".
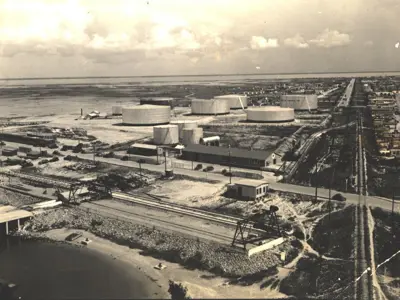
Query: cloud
{"x": 296, "y": 42}
{"x": 331, "y": 38}
{"x": 259, "y": 42}
{"x": 369, "y": 43}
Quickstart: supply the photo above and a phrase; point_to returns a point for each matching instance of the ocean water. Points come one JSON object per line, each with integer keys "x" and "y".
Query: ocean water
{"x": 53, "y": 271}
{"x": 178, "y": 80}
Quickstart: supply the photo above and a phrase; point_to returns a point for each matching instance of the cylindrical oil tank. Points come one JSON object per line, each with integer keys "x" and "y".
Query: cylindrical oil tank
{"x": 146, "y": 115}
{"x": 184, "y": 124}
{"x": 117, "y": 110}
{"x": 158, "y": 101}
{"x": 270, "y": 114}
{"x": 192, "y": 135}
{"x": 166, "y": 134}
{"x": 235, "y": 101}
{"x": 300, "y": 101}
{"x": 210, "y": 106}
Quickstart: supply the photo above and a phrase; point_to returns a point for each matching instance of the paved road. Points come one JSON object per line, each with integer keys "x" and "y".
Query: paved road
{"x": 323, "y": 194}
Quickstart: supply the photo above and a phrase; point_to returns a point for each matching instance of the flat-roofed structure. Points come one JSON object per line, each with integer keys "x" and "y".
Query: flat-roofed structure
{"x": 241, "y": 158}
{"x": 249, "y": 189}
{"x": 143, "y": 149}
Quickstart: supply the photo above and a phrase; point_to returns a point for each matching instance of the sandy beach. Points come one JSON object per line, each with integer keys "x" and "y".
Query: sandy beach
{"x": 199, "y": 284}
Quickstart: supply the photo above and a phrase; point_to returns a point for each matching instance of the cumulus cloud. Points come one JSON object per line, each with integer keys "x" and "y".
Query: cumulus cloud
{"x": 296, "y": 42}
{"x": 331, "y": 38}
{"x": 259, "y": 42}
{"x": 68, "y": 28}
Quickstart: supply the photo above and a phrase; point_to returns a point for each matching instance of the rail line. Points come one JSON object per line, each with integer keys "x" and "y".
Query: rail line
{"x": 118, "y": 214}
{"x": 363, "y": 284}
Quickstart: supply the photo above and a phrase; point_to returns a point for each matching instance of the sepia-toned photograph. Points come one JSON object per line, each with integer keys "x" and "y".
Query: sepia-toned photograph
{"x": 213, "y": 149}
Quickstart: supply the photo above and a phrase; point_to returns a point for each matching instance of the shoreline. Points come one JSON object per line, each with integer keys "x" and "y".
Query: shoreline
{"x": 200, "y": 284}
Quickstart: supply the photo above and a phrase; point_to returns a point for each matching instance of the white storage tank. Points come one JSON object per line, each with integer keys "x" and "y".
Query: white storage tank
{"x": 300, "y": 101}
{"x": 146, "y": 115}
{"x": 235, "y": 101}
{"x": 117, "y": 110}
{"x": 166, "y": 134}
{"x": 184, "y": 124}
{"x": 192, "y": 135}
{"x": 269, "y": 114}
{"x": 210, "y": 106}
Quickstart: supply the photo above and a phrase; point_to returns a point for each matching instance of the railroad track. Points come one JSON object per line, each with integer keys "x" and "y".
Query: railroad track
{"x": 132, "y": 217}
{"x": 363, "y": 284}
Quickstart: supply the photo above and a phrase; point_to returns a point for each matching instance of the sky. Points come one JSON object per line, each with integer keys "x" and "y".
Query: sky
{"x": 74, "y": 38}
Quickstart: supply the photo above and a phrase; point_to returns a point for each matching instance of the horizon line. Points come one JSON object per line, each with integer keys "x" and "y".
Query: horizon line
{"x": 199, "y": 75}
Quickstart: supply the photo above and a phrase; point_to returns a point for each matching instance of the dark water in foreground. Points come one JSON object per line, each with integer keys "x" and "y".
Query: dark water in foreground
{"x": 53, "y": 271}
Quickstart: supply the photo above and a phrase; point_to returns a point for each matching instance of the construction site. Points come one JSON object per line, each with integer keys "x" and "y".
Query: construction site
{"x": 249, "y": 182}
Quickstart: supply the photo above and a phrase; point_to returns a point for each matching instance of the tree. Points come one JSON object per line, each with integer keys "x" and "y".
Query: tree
{"x": 177, "y": 291}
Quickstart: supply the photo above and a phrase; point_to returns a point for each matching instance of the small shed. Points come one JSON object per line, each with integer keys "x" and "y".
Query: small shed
{"x": 249, "y": 189}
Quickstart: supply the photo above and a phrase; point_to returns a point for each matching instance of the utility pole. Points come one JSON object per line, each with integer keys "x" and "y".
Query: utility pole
{"x": 94, "y": 153}
{"x": 165, "y": 161}
{"x": 316, "y": 182}
{"x": 230, "y": 169}
{"x": 393, "y": 222}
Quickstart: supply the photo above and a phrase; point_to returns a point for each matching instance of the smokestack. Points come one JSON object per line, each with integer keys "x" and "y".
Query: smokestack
{"x": 81, "y": 112}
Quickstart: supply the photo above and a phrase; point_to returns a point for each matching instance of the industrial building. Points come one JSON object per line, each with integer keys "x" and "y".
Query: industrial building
{"x": 143, "y": 149}
{"x": 235, "y": 101}
{"x": 210, "y": 107}
{"x": 184, "y": 124}
{"x": 224, "y": 156}
{"x": 248, "y": 189}
{"x": 300, "y": 101}
{"x": 192, "y": 135}
{"x": 43, "y": 135}
{"x": 9, "y": 151}
{"x": 24, "y": 139}
{"x": 146, "y": 115}
{"x": 270, "y": 114}
{"x": 166, "y": 134}
{"x": 166, "y": 101}
{"x": 117, "y": 110}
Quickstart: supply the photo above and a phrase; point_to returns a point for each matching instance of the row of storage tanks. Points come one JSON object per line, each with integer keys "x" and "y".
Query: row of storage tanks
{"x": 148, "y": 114}
{"x": 185, "y": 131}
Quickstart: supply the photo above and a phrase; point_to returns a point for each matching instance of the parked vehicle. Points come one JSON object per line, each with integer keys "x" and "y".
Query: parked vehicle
{"x": 198, "y": 167}
{"x": 339, "y": 197}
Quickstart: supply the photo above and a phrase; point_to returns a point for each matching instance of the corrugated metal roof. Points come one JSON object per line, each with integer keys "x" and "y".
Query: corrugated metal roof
{"x": 144, "y": 146}
{"x": 235, "y": 152}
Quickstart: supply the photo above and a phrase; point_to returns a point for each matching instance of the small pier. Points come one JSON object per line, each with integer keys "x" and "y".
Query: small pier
{"x": 13, "y": 217}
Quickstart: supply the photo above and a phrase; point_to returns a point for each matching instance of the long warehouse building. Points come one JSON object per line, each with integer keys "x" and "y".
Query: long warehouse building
{"x": 224, "y": 156}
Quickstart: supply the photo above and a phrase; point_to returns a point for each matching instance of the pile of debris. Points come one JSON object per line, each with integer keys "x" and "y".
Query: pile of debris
{"x": 80, "y": 167}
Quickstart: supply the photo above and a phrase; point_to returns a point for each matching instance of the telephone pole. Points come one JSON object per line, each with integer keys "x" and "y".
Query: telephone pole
{"x": 230, "y": 170}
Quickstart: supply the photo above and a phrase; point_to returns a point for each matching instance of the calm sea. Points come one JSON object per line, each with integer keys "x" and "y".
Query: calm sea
{"x": 164, "y": 80}
{"x": 53, "y": 271}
